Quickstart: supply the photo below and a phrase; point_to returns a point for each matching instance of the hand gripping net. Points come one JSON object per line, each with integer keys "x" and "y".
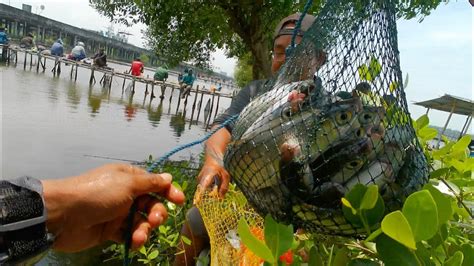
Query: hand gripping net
{"x": 296, "y": 159}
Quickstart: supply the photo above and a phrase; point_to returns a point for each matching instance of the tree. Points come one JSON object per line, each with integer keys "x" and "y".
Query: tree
{"x": 192, "y": 30}
{"x": 243, "y": 70}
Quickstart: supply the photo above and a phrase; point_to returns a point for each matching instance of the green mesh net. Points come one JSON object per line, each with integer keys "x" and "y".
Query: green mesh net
{"x": 296, "y": 161}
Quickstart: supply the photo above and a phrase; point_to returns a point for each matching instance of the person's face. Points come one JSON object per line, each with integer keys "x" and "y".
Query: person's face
{"x": 279, "y": 47}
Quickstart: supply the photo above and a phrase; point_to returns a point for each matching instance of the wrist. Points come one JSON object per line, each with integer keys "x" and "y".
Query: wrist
{"x": 55, "y": 196}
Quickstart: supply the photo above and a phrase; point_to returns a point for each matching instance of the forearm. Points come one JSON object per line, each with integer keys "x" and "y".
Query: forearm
{"x": 216, "y": 146}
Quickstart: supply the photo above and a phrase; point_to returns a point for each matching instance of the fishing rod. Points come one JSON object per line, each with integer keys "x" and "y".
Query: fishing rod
{"x": 135, "y": 162}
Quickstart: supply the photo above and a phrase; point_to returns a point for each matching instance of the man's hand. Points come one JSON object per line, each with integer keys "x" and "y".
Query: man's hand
{"x": 211, "y": 171}
{"x": 85, "y": 210}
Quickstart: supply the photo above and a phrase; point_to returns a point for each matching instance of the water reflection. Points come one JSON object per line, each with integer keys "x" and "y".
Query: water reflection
{"x": 130, "y": 109}
{"x": 178, "y": 123}
{"x": 95, "y": 99}
{"x": 73, "y": 96}
{"x": 154, "y": 115}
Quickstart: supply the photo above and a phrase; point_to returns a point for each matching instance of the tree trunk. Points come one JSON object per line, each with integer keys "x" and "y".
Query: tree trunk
{"x": 261, "y": 66}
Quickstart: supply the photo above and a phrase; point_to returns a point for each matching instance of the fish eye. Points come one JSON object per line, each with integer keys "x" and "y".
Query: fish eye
{"x": 354, "y": 164}
{"x": 343, "y": 117}
{"x": 286, "y": 112}
{"x": 360, "y": 132}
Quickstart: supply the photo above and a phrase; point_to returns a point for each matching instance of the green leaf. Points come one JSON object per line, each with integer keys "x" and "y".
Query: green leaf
{"x": 462, "y": 144}
{"x": 346, "y": 203}
{"x": 455, "y": 260}
{"x": 342, "y": 257}
{"x": 439, "y": 172}
{"x": 254, "y": 244}
{"x": 427, "y": 133}
{"x": 361, "y": 262}
{"x": 364, "y": 73}
{"x": 355, "y": 197}
{"x": 392, "y": 253}
{"x": 440, "y": 237}
{"x": 186, "y": 240}
{"x": 468, "y": 251}
{"x": 278, "y": 237}
{"x": 422, "y": 214}
{"x": 374, "y": 67}
{"x": 314, "y": 257}
{"x": 153, "y": 255}
{"x": 423, "y": 254}
{"x": 370, "y": 197}
{"x": 422, "y": 122}
{"x": 443, "y": 204}
{"x": 177, "y": 185}
{"x": 396, "y": 226}
{"x": 143, "y": 250}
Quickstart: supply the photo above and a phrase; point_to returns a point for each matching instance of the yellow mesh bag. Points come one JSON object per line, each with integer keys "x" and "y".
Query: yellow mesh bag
{"x": 221, "y": 217}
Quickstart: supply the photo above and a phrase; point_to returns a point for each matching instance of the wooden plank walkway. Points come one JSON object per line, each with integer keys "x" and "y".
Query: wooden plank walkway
{"x": 108, "y": 75}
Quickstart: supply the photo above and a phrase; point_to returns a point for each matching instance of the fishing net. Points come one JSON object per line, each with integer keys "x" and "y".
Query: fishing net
{"x": 221, "y": 217}
{"x": 295, "y": 159}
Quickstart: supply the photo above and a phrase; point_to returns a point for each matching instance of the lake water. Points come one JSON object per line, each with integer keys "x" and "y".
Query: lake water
{"x": 52, "y": 127}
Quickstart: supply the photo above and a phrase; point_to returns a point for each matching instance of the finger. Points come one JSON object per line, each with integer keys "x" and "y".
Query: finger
{"x": 224, "y": 187}
{"x": 128, "y": 168}
{"x": 146, "y": 183}
{"x": 140, "y": 234}
{"x": 157, "y": 214}
{"x": 174, "y": 195}
{"x": 206, "y": 181}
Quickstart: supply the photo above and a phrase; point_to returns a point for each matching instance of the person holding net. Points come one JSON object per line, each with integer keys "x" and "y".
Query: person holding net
{"x": 215, "y": 148}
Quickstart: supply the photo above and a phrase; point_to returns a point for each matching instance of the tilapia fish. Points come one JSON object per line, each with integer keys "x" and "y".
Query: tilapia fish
{"x": 297, "y": 164}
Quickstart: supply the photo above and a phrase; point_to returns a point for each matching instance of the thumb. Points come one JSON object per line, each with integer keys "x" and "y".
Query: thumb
{"x": 146, "y": 183}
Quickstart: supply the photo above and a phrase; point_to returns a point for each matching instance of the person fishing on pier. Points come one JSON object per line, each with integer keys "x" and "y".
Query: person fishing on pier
{"x": 187, "y": 84}
{"x": 137, "y": 67}
{"x": 4, "y": 42}
{"x": 100, "y": 58}
{"x": 78, "y": 52}
{"x": 215, "y": 148}
{"x": 28, "y": 42}
{"x": 57, "y": 48}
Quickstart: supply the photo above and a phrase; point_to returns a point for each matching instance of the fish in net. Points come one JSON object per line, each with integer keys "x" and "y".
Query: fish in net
{"x": 353, "y": 126}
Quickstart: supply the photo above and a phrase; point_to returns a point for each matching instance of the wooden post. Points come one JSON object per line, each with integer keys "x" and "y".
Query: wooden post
{"x": 123, "y": 84}
{"x": 59, "y": 67}
{"x": 39, "y": 62}
{"x": 24, "y": 62}
{"x": 200, "y": 105}
{"x": 133, "y": 86}
{"x": 179, "y": 99}
{"x": 72, "y": 70}
{"x": 212, "y": 108}
{"x": 111, "y": 78}
{"x": 16, "y": 57}
{"x": 31, "y": 60}
{"x": 92, "y": 78}
{"x": 44, "y": 64}
{"x": 75, "y": 70}
{"x": 152, "y": 90}
{"x": 163, "y": 90}
{"x": 195, "y": 97}
{"x": 146, "y": 85}
{"x": 217, "y": 106}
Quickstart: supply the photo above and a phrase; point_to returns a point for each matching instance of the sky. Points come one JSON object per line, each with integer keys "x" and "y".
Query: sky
{"x": 437, "y": 53}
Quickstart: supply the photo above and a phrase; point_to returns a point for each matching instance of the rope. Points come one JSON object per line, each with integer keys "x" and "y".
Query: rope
{"x": 290, "y": 49}
{"x": 151, "y": 169}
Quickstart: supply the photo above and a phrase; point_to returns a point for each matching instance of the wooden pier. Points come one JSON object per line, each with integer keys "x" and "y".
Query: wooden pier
{"x": 107, "y": 75}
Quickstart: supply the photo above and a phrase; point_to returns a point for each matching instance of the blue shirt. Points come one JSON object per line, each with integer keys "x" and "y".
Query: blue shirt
{"x": 188, "y": 79}
{"x": 3, "y": 38}
{"x": 57, "y": 49}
